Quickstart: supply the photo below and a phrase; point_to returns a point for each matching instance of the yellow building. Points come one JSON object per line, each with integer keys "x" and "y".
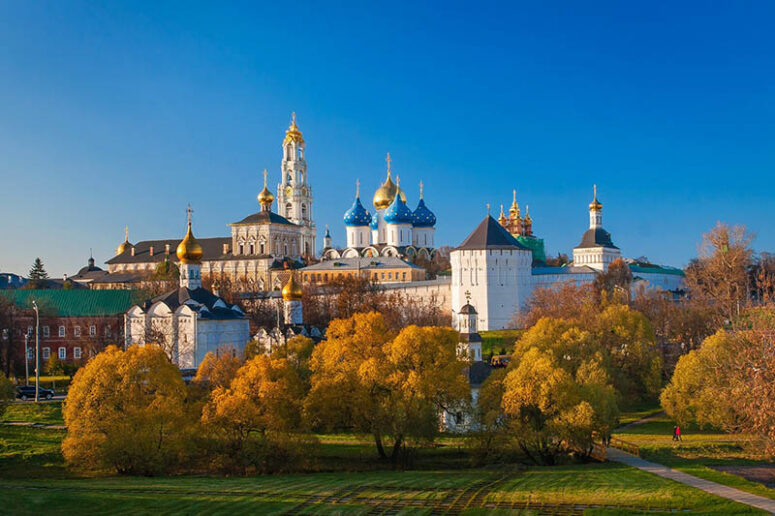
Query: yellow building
{"x": 384, "y": 269}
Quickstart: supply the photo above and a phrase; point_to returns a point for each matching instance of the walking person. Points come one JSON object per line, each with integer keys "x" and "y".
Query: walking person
{"x": 677, "y": 433}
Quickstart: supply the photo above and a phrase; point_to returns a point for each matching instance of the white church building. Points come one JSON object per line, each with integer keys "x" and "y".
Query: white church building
{"x": 500, "y": 273}
{"x": 190, "y": 321}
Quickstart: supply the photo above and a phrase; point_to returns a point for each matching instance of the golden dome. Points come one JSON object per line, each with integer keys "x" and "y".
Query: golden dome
{"x": 292, "y": 290}
{"x": 528, "y": 218}
{"x": 125, "y": 245}
{"x": 292, "y": 134}
{"x": 265, "y": 196}
{"x": 385, "y": 194}
{"x": 189, "y": 250}
{"x": 595, "y": 204}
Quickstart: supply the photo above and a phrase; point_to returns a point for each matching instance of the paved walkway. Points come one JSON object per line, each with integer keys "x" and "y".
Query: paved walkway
{"x": 760, "y": 502}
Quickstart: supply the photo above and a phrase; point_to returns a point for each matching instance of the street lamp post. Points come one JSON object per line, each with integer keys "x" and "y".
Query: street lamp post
{"x": 37, "y": 349}
{"x": 27, "y": 359}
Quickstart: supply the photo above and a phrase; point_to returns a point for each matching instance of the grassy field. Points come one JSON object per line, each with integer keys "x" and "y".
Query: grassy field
{"x": 697, "y": 452}
{"x": 34, "y": 479}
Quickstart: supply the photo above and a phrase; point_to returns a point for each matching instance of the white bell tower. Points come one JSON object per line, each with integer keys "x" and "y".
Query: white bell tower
{"x": 294, "y": 194}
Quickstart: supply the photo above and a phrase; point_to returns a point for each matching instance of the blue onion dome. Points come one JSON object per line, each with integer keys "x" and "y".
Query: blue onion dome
{"x": 398, "y": 212}
{"x": 374, "y": 223}
{"x": 357, "y": 215}
{"x": 422, "y": 216}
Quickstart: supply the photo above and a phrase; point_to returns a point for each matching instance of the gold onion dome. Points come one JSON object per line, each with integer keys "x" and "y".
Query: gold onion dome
{"x": 125, "y": 245}
{"x": 514, "y": 210}
{"x": 595, "y": 204}
{"x": 502, "y": 217}
{"x": 265, "y": 196}
{"x": 292, "y": 134}
{"x": 528, "y": 218}
{"x": 292, "y": 290}
{"x": 189, "y": 250}
{"x": 385, "y": 194}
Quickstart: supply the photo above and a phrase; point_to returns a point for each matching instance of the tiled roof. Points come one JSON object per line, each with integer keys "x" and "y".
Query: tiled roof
{"x": 212, "y": 250}
{"x": 596, "y": 237}
{"x": 264, "y": 217}
{"x": 568, "y": 269}
{"x": 75, "y": 303}
{"x": 478, "y": 372}
{"x": 200, "y": 300}
{"x": 490, "y": 235}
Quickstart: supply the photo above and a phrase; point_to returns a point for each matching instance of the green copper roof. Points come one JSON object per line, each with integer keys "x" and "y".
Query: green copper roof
{"x": 534, "y": 244}
{"x": 655, "y": 269}
{"x": 75, "y": 303}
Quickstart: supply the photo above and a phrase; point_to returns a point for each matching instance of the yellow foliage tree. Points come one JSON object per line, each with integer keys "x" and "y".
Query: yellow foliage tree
{"x": 217, "y": 370}
{"x": 125, "y": 410}
{"x": 363, "y": 379}
{"x": 549, "y": 412}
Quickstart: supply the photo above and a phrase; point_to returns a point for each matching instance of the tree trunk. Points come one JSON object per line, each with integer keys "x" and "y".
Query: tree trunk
{"x": 396, "y": 448}
{"x": 378, "y": 442}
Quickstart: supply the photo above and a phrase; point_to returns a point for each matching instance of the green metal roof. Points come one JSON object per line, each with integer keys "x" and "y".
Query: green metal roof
{"x": 75, "y": 303}
{"x": 655, "y": 269}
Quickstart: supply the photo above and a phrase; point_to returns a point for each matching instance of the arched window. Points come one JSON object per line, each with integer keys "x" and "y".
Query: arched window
{"x": 261, "y": 248}
{"x": 288, "y": 210}
{"x": 304, "y": 211}
{"x": 288, "y": 151}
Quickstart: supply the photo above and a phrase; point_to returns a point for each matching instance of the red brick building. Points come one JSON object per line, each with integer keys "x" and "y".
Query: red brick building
{"x": 74, "y": 324}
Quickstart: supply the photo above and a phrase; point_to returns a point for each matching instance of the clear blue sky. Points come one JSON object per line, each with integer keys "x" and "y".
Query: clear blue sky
{"x": 122, "y": 113}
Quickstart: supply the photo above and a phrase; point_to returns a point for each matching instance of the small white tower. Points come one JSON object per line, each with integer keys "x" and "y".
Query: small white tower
{"x": 294, "y": 193}
{"x": 327, "y": 241}
{"x": 470, "y": 343}
{"x": 292, "y": 310}
{"x": 189, "y": 253}
{"x": 596, "y": 249}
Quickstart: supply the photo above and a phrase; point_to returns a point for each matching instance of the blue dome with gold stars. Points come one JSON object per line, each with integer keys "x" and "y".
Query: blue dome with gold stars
{"x": 357, "y": 215}
{"x": 398, "y": 212}
{"x": 422, "y": 216}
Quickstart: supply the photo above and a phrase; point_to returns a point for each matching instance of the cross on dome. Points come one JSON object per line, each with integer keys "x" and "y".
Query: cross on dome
{"x": 388, "y": 161}
{"x": 357, "y": 188}
{"x": 189, "y": 211}
{"x": 420, "y": 189}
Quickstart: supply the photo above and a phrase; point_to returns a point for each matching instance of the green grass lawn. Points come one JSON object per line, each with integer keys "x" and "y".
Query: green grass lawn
{"x": 699, "y": 450}
{"x": 49, "y": 412}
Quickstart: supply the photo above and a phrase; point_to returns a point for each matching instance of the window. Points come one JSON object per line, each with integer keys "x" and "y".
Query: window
{"x": 261, "y": 247}
{"x": 46, "y": 331}
{"x": 76, "y": 352}
{"x": 92, "y": 331}
{"x": 107, "y": 331}
{"x": 77, "y": 331}
{"x": 62, "y": 353}
{"x": 30, "y": 353}
{"x": 46, "y": 353}
{"x": 61, "y": 331}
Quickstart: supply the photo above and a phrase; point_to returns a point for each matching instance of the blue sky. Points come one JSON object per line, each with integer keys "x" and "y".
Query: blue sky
{"x": 123, "y": 113}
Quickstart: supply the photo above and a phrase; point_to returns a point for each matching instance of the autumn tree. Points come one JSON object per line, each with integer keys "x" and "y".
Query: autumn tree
{"x": 263, "y": 400}
{"x": 728, "y": 383}
{"x": 566, "y": 300}
{"x": 217, "y": 370}
{"x": 298, "y": 352}
{"x": 550, "y": 412}
{"x": 720, "y": 274}
{"x": 125, "y": 411}
{"x": 616, "y": 281}
{"x": 366, "y": 380}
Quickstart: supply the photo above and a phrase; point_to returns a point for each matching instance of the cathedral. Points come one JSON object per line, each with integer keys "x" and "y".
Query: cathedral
{"x": 261, "y": 246}
{"x": 497, "y": 267}
{"x": 393, "y": 229}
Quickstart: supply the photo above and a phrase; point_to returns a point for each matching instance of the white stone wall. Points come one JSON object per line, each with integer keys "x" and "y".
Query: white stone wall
{"x": 399, "y": 234}
{"x": 221, "y": 334}
{"x": 596, "y": 257}
{"x": 423, "y": 237}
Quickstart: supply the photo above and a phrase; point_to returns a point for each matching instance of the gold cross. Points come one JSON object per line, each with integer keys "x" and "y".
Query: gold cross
{"x": 293, "y": 118}
{"x": 388, "y": 161}
{"x": 420, "y": 189}
{"x": 357, "y": 188}
{"x": 488, "y": 208}
{"x": 594, "y": 189}
{"x": 126, "y": 233}
{"x": 189, "y": 211}
{"x": 265, "y": 172}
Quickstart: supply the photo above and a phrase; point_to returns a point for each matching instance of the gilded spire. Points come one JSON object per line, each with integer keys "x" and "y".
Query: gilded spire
{"x": 357, "y": 189}
{"x": 514, "y": 210}
{"x": 125, "y": 244}
{"x": 388, "y": 161}
{"x": 595, "y": 205}
{"x": 420, "y": 189}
